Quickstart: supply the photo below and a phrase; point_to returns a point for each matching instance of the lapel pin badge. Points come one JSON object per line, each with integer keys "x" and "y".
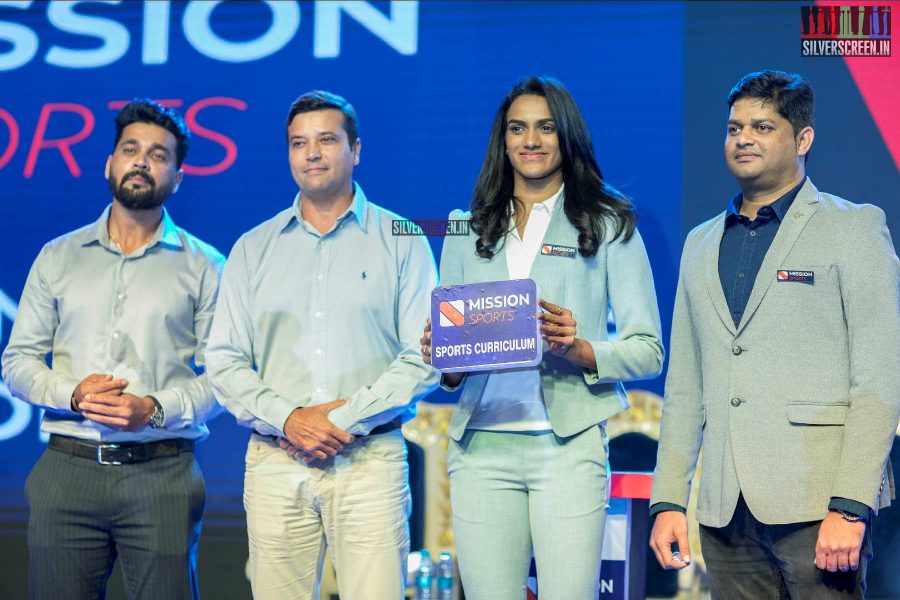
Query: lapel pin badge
{"x": 557, "y": 250}
{"x": 807, "y": 277}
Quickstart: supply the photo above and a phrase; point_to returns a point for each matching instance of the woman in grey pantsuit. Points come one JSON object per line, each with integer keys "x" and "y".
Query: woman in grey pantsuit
{"x": 528, "y": 455}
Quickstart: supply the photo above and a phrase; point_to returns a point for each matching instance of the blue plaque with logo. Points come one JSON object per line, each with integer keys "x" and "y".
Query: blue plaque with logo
{"x": 483, "y": 326}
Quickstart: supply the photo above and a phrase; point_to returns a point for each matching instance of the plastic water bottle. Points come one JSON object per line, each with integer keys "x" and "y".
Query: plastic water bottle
{"x": 425, "y": 577}
{"x": 445, "y": 577}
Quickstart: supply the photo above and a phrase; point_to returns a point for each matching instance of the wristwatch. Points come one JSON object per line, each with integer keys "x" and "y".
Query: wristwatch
{"x": 159, "y": 416}
{"x": 849, "y": 517}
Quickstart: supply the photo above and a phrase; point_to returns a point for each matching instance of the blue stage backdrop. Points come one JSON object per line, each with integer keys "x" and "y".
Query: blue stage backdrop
{"x": 426, "y": 79}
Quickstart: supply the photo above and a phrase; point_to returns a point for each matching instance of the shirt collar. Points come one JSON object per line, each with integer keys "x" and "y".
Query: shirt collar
{"x": 549, "y": 204}
{"x": 359, "y": 208}
{"x": 779, "y": 206}
{"x": 166, "y": 232}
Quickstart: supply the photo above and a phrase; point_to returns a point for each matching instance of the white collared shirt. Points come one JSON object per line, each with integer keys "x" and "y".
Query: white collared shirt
{"x": 513, "y": 399}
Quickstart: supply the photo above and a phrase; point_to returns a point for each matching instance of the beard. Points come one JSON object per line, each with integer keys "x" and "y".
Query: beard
{"x": 147, "y": 197}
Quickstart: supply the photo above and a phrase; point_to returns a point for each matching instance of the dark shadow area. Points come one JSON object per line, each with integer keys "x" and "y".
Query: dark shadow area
{"x": 637, "y": 452}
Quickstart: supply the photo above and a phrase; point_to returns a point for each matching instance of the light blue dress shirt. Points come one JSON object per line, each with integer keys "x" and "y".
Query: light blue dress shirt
{"x": 305, "y": 318}
{"x": 142, "y": 317}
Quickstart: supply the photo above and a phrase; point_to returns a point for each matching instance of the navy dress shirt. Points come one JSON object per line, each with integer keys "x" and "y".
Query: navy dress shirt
{"x": 744, "y": 246}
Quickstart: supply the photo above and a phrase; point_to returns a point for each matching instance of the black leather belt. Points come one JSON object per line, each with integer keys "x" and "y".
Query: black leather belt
{"x": 120, "y": 453}
{"x": 387, "y": 427}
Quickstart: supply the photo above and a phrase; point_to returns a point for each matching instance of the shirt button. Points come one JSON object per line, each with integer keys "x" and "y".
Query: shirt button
{"x": 752, "y": 233}
{"x": 318, "y": 314}
{"x": 735, "y": 402}
{"x": 741, "y": 275}
{"x": 737, "y": 350}
{"x": 120, "y": 295}
{"x": 115, "y": 335}
{"x": 318, "y": 351}
{"x": 319, "y": 389}
{"x": 320, "y": 276}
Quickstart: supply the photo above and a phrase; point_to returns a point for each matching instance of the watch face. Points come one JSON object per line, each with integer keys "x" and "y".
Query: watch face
{"x": 156, "y": 419}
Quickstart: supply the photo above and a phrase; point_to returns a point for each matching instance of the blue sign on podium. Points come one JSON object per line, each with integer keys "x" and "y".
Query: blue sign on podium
{"x": 482, "y": 326}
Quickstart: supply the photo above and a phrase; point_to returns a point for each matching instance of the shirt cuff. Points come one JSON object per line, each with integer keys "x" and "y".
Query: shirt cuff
{"x": 850, "y": 506}
{"x": 171, "y": 406}
{"x": 664, "y": 506}
{"x": 65, "y": 389}
{"x": 279, "y": 415}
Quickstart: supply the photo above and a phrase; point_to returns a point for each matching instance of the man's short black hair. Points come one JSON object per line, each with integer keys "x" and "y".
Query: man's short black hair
{"x": 790, "y": 93}
{"x": 144, "y": 110}
{"x": 321, "y": 100}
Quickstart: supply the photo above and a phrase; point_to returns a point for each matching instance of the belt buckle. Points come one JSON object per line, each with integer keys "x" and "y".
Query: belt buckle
{"x": 100, "y": 458}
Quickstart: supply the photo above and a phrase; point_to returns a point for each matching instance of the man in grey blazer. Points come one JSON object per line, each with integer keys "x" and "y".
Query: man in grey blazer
{"x": 784, "y": 368}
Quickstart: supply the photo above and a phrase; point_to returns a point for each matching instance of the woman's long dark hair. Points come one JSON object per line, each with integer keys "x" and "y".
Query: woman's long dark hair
{"x": 590, "y": 204}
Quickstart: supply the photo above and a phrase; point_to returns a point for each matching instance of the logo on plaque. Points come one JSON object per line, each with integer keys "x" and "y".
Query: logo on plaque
{"x": 484, "y": 326}
{"x": 453, "y": 313}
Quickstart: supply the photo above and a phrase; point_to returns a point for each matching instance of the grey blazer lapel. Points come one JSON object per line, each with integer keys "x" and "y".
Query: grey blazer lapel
{"x": 801, "y": 211}
{"x": 711, "y": 269}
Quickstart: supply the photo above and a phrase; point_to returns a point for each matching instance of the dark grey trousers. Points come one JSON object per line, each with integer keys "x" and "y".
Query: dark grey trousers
{"x": 749, "y": 560}
{"x": 83, "y": 515}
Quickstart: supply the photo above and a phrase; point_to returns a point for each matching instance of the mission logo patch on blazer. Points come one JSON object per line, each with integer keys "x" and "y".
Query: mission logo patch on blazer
{"x": 554, "y": 250}
{"x": 796, "y": 276}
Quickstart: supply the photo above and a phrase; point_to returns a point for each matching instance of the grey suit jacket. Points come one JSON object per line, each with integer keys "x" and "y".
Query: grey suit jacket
{"x": 618, "y": 276}
{"x": 799, "y": 403}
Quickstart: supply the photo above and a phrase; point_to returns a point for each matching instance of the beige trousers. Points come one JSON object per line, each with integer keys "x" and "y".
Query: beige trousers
{"x": 355, "y": 504}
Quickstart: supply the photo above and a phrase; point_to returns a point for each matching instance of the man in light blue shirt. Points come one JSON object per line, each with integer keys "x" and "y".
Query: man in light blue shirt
{"x": 315, "y": 347}
{"x": 123, "y": 307}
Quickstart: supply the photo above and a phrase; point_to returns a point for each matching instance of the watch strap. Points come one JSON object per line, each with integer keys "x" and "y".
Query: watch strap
{"x": 848, "y": 516}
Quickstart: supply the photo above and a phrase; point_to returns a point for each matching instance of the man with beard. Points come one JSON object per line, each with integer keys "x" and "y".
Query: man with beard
{"x": 123, "y": 307}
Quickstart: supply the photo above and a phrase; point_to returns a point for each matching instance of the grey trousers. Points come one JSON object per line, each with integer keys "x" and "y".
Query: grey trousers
{"x": 512, "y": 493}
{"x": 749, "y": 560}
{"x": 83, "y": 515}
